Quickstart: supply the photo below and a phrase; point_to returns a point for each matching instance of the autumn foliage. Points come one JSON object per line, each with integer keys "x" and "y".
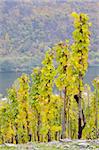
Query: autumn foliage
{"x": 52, "y": 103}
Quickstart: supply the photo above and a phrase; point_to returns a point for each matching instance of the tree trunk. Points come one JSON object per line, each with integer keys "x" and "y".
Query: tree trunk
{"x": 38, "y": 127}
{"x": 35, "y": 136}
{"x": 96, "y": 118}
{"x": 49, "y": 135}
{"x": 68, "y": 118}
{"x": 80, "y": 118}
{"x": 56, "y": 135}
{"x": 49, "y": 132}
{"x": 16, "y": 136}
{"x": 80, "y": 115}
{"x": 30, "y": 137}
{"x": 16, "y": 139}
{"x": 27, "y": 121}
{"x": 64, "y": 116}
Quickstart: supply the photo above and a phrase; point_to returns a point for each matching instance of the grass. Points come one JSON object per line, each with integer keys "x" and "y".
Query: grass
{"x": 47, "y": 147}
{"x": 39, "y": 147}
{"x": 50, "y": 146}
{"x": 7, "y": 148}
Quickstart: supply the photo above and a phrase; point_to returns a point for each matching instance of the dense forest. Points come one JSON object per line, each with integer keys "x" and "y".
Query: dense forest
{"x": 29, "y": 27}
{"x": 53, "y": 103}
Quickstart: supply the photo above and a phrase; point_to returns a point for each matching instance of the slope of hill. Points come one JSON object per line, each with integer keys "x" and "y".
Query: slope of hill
{"x": 29, "y": 27}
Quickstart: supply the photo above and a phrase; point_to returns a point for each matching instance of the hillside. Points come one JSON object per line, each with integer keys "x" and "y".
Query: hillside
{"x": 29, "y": 27}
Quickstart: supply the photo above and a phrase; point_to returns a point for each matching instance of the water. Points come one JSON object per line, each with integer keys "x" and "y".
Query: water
{"x": 92, "y": 73}
{"x": 7, "y": 79}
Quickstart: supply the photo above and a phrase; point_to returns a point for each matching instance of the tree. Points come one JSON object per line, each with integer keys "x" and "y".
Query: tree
{"x": 47, "y": 78}
{"x": 22, "y": 120}
{"x": 62, "y": 58}
{"x": 80, "y": 49}
{"x": 96, "y": 105}
{"x": 35, "y": 101}
{"x": 13, "y": 103}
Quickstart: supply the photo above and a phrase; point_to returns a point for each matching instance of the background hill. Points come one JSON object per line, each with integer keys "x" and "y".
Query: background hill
{"x": 29, "y": 27}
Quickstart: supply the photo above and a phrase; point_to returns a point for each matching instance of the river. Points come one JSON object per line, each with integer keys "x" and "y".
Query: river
{"x": 7, "y": 78}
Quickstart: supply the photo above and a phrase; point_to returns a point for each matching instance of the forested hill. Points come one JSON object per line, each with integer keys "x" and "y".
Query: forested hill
{"x": 29, "y": 27}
